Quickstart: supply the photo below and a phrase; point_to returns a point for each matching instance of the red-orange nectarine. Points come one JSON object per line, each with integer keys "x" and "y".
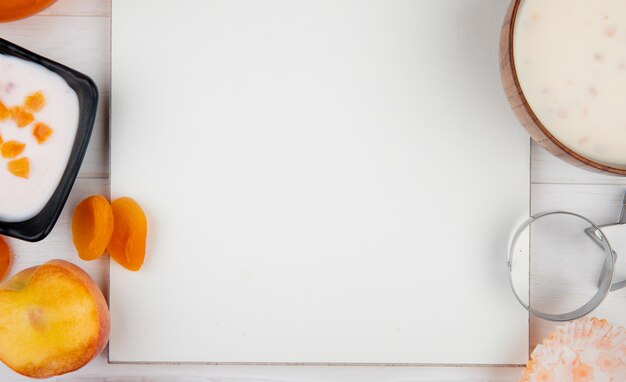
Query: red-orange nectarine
{"x": 53, "y": 320}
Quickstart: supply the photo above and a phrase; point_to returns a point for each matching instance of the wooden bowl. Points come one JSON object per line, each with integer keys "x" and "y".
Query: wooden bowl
{"x": 524, "y": 112}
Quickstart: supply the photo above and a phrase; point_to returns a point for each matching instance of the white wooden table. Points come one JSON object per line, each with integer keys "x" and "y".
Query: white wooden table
{"x": 77, "y": 33}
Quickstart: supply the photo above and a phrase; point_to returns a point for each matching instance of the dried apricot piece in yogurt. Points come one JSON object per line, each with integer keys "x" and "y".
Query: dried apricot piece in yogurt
{"x": 42, "y": 132}
{"x": 21, "y": 116}
{"x": 19, "y": 167}
{"x": 92, "y": 226}
{"x": 128, "y": 241}
{"x": 5, "y": 113}
{"x": 35, "y": 102}
{"x": 11, "y": 149}
{"x": 6, "y": 258}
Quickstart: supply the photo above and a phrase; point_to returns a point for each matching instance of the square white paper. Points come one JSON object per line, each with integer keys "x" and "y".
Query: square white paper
{"x": 328, "y": 181}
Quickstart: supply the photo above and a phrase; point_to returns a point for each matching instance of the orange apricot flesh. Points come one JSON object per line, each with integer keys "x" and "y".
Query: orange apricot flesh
{"x": 42, "y": 132}
{"x": 6, "y": 258}
{"x": 19, "y": 167}
{"x": 128, "y": 241}
{"x": 5, "y": 113}
{"x": 21, "y": 116}
{"x": 11, "y": 149}
{"x": 35, "y": 102}
{"x": 92, "y": 226}
{"x": 53, "y": 320}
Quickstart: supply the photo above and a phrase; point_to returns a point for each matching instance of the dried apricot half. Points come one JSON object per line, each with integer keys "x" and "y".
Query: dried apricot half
{"x": 35, "y": 102}
{"x": 19, "y": 167}
{"x": 42, "y": 132}
{"x": 11, "y": 149}
{"x": 6, "y": 257}
{"x": 92, "y": 226}
{"x": 128, "y": 241}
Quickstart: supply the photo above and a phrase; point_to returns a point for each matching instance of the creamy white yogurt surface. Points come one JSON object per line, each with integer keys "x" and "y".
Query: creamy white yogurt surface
{"x": 21, "y": 199}
{"x": 570, "y": 57}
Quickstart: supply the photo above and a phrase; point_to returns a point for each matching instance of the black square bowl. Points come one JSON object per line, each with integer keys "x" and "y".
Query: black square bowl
{"x": 38, "y": 227}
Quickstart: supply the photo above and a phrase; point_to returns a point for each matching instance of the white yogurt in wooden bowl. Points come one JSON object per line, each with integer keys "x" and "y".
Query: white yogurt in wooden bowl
{"x": 38, "y": 132}
{"x": 570, "y": 60}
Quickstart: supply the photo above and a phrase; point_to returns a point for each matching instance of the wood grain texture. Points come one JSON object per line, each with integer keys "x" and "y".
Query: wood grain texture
{"x": 557, "y": 185}
{"x": 524, "y": 112}
{"x": 96, "y": 8}
{"x": 601, "y": 204}
{"x": 546, "y": 168}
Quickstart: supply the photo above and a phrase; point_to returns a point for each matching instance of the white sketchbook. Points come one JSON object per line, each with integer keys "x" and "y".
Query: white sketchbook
{"x": 326, "y": 182}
